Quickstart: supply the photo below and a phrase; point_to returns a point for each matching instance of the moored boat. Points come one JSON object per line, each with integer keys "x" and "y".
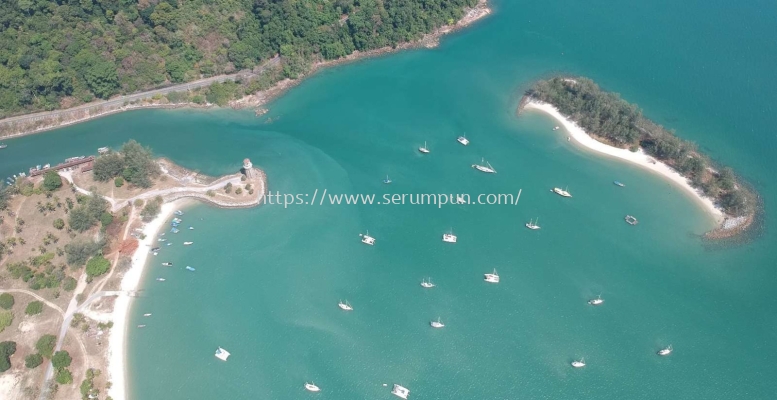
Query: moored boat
{"x": 160, "y": 279}
{"x": 463, "y": 140}
{"x": 449, "y": 237}
{"x": 400, "y": 391}
{"x": 665, "y": 351}
{"x": 424, "y": 149}
{"x": 367, "y": 239}
{"x": 631, "y": 220}
{"x": 311, "y": 387}
{"x": 189, "y": 268}
{"x": 484, "y": 166}
{"x": 345, "y": 306}
{"x": 492, "y": 277}
{"x": 222, "y": 354}
{"x": 579, "y": 363}
{"x": 387, "y": 180}
{"x": 618, "y": 183}
{"x": 561, "y": 192}
{"x": 533, "y": 225}
{"x": 427, "y": 284}
{"x": 167, "y": 264}
{"x": 187, "y": 243}
{"x": 597, "y": 301}
{"x": 437, "y": 324}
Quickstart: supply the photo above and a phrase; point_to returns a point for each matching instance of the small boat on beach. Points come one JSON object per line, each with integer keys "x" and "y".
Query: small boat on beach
{"x": 616, "y": 183}
{"x": 167, "y": 264}
{"x": 665, "y": 351}
{"x": 400, "y": 391}
{"x": 222, "y": 354}
{"x": 188, "y": 243}
{"x": 345, "y": 306}
{"x": 437, "y": 324}
{"x": 631, "y": 220}
{"x": 492, "y": 277}
{"x": 189, "y": 268}
{"x": 484, "y": 166}
{"x": 561, "y": 192}
{"x": 533, "y": 225}
{"x": 579, "y": 363}
{"x": 367, "y": 239}
{"x": 463, "y": 140}
{"x": 424, "y": 149}
{"x": 147, "y": 315}
{"x": 387, "y": 180}
{"x": 160, "y": 279}
{"x": 311, "y": 387}
{"x": 597, "y": 301}
{"x": 427, "y": 284}
{"x": 449, "y": 237}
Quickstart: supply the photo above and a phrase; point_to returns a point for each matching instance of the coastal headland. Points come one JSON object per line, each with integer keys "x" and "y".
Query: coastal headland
{"x": 645, "y": 144}
{"x": 267, "y": 77}
{"x": 52, "y": 226}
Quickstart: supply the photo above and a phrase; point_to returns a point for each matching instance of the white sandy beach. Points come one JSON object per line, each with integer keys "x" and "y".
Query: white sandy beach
{"x": 131, "y": 280}
{"x": 639, "y": 158}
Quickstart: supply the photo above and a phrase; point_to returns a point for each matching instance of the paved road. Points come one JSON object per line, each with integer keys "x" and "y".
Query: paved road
{"x": 118, "y": 101}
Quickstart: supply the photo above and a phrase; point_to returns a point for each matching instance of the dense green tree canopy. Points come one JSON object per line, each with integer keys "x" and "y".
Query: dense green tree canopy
{"x": 62, "y": 52}
{"x": 613, "y": 120}
{"x": 45, "y": 345}
{"x": 52, "y": 181}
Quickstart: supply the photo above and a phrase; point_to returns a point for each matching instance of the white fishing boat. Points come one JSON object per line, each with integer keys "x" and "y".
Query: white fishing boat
{"x": 427, "y": 284}
{"x": 631, "y": 220}
{"x": 533, "y": 224}
{"x": 345, "y": 306}
{"x": 437, "y": 324}
{"x": 161, "y": 240}
{"x": 141, "y": 326}
{"x": 484, "y": 166}
{"x": 167, "y": 264}
{"x": 665, "y": 351}
{"x": 492, "y": 277}
{"x": 188, "y": 268}
{"x": 556, "y": 128}
{"x": 156, "y": 253}
{"x": 463, "y": 140}
{"x": 191, "y": 228}
{"x": 188, "y": 243}
{"x": 147, "y": 315}
{"x": 178, "y": 213}
{"x": 449, "y": 237}
{"x": 400, "y": 391}
{"x": 367, "y": 239}
{"x": 160, "y": 279}
{"x": 561, "y": 192}
{"x": 618, "y": 183}
{"x": 579, "y": 363}
{"x": 3, "y": 145}
{"x": 597, "y": 301}
{"x": 222, "y": 354}
{"x": 311, "y": 387}
{"x": 424, "y": 149}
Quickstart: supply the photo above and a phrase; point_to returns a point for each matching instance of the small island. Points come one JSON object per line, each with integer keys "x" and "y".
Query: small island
{"x": 605, "y": 123}
{"x": 74, "y": 239}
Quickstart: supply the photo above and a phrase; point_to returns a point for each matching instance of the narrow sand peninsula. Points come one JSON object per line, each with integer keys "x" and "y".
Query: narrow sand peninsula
{"x": 117, "y": 343}
{"x": 638, "y": 158}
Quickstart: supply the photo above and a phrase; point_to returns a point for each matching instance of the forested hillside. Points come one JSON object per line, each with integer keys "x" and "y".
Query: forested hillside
{"x": 58, "y": 53}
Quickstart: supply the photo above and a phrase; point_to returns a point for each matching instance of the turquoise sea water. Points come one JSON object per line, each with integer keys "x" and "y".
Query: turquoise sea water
{"x": 268, "y": 279}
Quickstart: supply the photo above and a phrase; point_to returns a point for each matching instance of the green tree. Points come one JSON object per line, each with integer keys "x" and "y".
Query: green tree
{"x": 119, "y": 181}
{"x": 59, "y": 223}
{"x": 52, "y": 181}
{"x": 34, "y": 308}
{"x": 6, "y": 301}
{"x": 79, "y": 251}
{"x": 64, "y": 377}
{"x": 108, "y": 166}
{"x": 6, "y": 318}
{"x": 7, "y": 349}
{"x": 106, "y": 218}
{"x": 69, "y": 284}
{"x": 61, "y": 359}
{"x": 45, "y": 345}
{"x": 97, "y": 266}
{"x": 33, "y": 360}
